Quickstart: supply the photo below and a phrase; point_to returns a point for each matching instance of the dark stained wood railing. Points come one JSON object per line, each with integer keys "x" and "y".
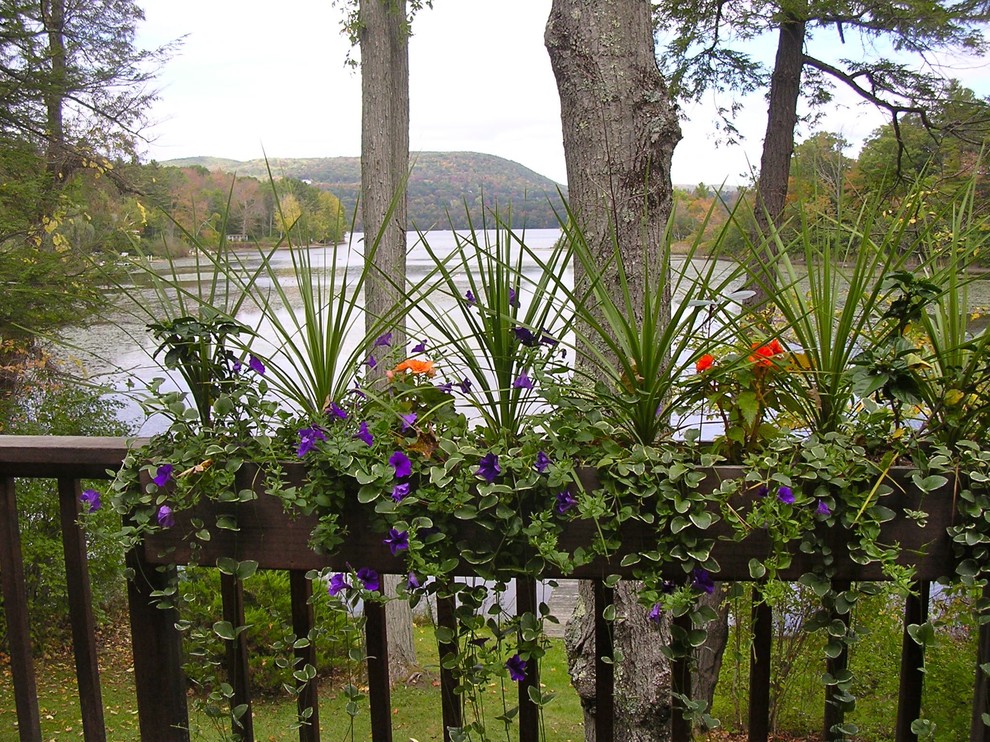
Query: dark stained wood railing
{"x": 160, "y": 684}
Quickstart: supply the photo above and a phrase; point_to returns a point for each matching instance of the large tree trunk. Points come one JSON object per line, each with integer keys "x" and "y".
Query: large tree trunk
{"x": 619, "y": 130}
{"x": 384, "y": 164}
{"x": 778, "y": 146}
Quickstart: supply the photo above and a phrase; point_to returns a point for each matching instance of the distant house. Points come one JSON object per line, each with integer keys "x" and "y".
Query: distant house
{"x": 237, "y": 238}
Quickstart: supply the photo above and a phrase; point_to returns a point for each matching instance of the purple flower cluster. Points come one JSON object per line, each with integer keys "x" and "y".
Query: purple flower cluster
{"x": 517, "y": 668}
{"x": 488, "y": 468}
{"x": 364, "y": 434}
{"x": 401, "y": 464}
{"x": 523, "y": 381}
{"x": 308, "y": 438}
{"x": 165, "y": 517}
{"x": 163, "y": 475}
{"x": 369, "y": 578}
{"x": 702, "y": 581}
{"x": 396, "y": 541}
{"x": 565, "y": 501}
{"x": 255, "y": 364}
{"x": 91, "y": 499}
{"x": 542, "y": 462}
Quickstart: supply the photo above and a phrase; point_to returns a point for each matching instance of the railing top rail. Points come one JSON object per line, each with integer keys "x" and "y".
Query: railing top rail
{"x": 62, "y": 455}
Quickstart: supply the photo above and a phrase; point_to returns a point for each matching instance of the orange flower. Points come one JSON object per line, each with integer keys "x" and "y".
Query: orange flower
{"x": 414, "y": 366}
{"x": 763, "y": 353}
{"x": 704, "y": 363}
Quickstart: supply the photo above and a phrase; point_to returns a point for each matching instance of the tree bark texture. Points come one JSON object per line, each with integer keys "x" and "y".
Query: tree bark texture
{"x": 384, "y": 164}
{"x": 642, "y": 678}
{"x": 619, "y": 131}
{"x": 384, "y": 46}
{"x": 778, "y": 145}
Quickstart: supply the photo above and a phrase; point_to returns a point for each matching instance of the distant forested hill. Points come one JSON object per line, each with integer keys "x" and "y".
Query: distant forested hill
{"x": 443, "y": 189}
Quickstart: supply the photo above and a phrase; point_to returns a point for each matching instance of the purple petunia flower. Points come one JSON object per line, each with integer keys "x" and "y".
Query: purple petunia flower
{"x": 163, "y": 474}
{"x": 702, "y": 581}
{"x": 337, "y": 584}
{"x": 549, "y": 340}
{"x": 364, "y": 434}
{"x": 372, "y": 362}
{"x": 523, "y": 381}
{"x": 525, "y": 336}
{"x": 565, "y": 501}
{"x": 823, "y": 508}
{"x": 408, "y": 421}
{"x": 470, "y": 298}
{"x": 465, "y": 386}
{"x": 412, "y": 583}
{"x": 91, "y": 499}
{"x": 369, "y": 579}
{"x": 489, "y": 468}
{"x": 396, "y": 541}
{"x": 446, "y": 387}
{"x": 419, "y": 348}
{"x": 400, "y": 491}
{"x": 401, "y": 464}
{"x": 335, "y": 410}
{"x": 236, "y": 366}
{"x": 517, "y": 667}
{"x": 165, "y": 518}
{"x": 308, "y": 438}
{"x": 513, "y": 299}
{"x": 255, "y": 364}
{"x": 542, "y": 462}
{"x": 786, "y": 495}
{"x": 763, "y": 491}
{"x": 656, "y": 613}
{"x": 383, "y": 341}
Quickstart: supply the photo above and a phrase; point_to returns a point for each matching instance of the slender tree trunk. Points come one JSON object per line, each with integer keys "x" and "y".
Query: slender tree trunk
{"x": 619, "y": 129}
{"x": 778, "y": 146}
{"x": 384, "y": 164}
{"x": 53, "y": 16}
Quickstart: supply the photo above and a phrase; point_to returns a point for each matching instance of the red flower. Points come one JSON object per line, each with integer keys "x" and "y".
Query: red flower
{"x": 704, "y": 363}
{"x": 763, "y": 353}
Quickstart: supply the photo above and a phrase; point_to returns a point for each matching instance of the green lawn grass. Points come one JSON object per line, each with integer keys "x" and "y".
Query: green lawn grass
{"x": 415, "y": 709}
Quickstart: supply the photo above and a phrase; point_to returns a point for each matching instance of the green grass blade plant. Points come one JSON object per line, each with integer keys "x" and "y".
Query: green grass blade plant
{"x": 957, "y": 373}
{"x": 642, "y": 340}
{"x": 494, "y": 319}
{"x": 832, "y": 307}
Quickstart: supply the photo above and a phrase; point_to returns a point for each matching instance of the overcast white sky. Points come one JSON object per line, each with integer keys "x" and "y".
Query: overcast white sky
{"x": 259, "y": 77}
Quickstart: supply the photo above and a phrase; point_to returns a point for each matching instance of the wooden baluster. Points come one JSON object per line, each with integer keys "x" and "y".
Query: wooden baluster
{"x": 833, "y": 713}
{"x": 378, "y": 689}
{"x": 759, "y": 668}
{"x": 529, "y": 712}
{"x": 680, "y": 683}
{"x": 912, "y": 663}
{"x": 450, "y": 702}
{"x": 159, "y": 680}
{"x": 81, "y": 612}
{"x": 15, "y": 608}
{"x": 978, "y": 731}
{"x": 232, "y": 594}
{"x": 303, "y": 620}
{"x": 604, "y": 671}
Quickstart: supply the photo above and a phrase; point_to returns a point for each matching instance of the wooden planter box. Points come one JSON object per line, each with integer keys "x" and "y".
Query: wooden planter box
{"x": 277, "y": 540}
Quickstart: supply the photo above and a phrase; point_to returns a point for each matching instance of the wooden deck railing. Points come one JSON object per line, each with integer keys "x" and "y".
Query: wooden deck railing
{"x": 160, "y": 684}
